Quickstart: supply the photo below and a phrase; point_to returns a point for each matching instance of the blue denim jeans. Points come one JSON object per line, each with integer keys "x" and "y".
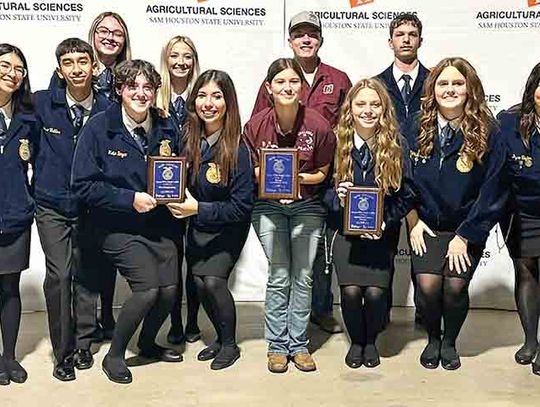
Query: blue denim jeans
{"x": 289, "y": 235}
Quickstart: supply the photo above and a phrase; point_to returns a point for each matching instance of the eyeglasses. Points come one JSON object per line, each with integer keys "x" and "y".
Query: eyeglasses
{"x": 103, "y": 32}
{"x": 6, "y": 68}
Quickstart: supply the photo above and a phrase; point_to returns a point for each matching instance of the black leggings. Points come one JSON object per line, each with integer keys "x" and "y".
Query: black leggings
{"x": 10, "y": 312}
{"x": 152, "y": 305}
{"x": 218, "y": 303}
{"x": 442, "y": 297}
{"x": 527, "y": 295}
{"x": 364, "y": 310}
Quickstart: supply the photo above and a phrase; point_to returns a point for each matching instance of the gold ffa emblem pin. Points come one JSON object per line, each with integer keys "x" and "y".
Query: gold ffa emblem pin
{"x": 213, "y": 174}
{"x": 165, "y": 148}
{"x": 24, "y": 150}
{"x": 464, "y": 164}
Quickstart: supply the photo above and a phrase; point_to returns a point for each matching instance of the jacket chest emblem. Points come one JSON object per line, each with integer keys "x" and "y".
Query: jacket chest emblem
{"x": 165, "y": 148}
{"x": 328, "y": 89}
{"x": 213, "y": 173}
{"x": 24, "y": 149}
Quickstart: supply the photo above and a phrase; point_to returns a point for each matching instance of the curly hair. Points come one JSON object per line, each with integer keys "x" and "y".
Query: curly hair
{"x": 527, "y": 109}
{"x": 476, "y": 122}
{"x": 127, "y": 71}
{"x": 387, "y": 150}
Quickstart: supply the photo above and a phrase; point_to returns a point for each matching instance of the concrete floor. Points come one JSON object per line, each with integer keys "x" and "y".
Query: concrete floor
{"x": 489, "y": 376}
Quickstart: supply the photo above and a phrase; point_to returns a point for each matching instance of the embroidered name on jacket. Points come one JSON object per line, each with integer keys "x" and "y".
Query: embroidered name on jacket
{"x": 52, "y": 130}
{"x": 119, "y": 154}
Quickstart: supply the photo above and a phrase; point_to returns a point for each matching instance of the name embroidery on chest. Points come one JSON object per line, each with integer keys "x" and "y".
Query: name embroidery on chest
{"x": 328, "y": 89}
{"x": 117, "y": 153}
{"x": 52, "y": 130}
{"x": 305, "y": 141}
{"x": 522, "y": 160}
{"x": 213, "y": 174}
{"x": 416, "y": 156}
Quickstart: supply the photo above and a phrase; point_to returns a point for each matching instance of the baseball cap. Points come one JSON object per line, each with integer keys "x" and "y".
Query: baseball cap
{"x": 305, "y": 17}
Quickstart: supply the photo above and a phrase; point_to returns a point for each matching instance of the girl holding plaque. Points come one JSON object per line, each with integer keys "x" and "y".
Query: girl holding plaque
{"x": 110, "y": 177}
{"x": 179, "y": 71}
{"x": 457, "y": 157}
{"x": 289, "y": 230}
{"x": 218, "y": 206}
{"x": 370, "y": 153}
{"x": 18, "y": 130}
{"x": 520, "y": 131}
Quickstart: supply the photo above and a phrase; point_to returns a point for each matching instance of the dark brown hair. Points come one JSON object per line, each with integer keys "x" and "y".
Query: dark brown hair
{"x": 127, "y": 71}
{"x": 20, "y": 100}
{"x": 280, "y": 65}
{"x": 227, "y": 145}
{"x": 406, "y": 18}
{"x": 527, "y": 109}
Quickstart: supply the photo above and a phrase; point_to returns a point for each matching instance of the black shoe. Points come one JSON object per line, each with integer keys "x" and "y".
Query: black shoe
{"x": 160, "y": 353}
{"x": 210, "y": 352}
{"x": 327, "y": 323}
{"x": 449, "y": 358}
{"x": 193, "y": 334}
{"x": 355, "y": 356}
{"x": 225, "y": 357}
{"x": 16, "y": 372}
{"x": 371, "y": 356}
{"x": 525, "y": 355}
{"x": 176, "y": 336}
{"x": 116, "y": 370}
{"x": 65, "y": 370}
{"x": 83, "y": 359}
{"x": 431, "y": 355}
{"x": 4, "y": 375}
{"x": 536, "y": 364}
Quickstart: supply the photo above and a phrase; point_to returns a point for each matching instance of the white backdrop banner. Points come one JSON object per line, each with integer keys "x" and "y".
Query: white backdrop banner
{"x": 242, "y": 37}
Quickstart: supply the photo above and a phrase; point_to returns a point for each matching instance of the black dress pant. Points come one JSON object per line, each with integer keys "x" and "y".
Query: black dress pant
{"x": 60, "y": 242}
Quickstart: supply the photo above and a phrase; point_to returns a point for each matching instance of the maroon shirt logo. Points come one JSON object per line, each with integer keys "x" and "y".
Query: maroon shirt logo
{"x": 328, "y": 89}
{"x": 304, "y": 141}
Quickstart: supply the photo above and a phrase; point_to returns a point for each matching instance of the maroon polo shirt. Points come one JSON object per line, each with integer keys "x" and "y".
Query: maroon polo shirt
{"x": 326, "y": 95}
{"x": 311, "y": 135}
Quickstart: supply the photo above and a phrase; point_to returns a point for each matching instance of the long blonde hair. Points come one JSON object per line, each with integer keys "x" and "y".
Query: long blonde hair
{"x": 164, "y": 94}
{"x": 477, "y": 120}
{"x": 387, "y": 150}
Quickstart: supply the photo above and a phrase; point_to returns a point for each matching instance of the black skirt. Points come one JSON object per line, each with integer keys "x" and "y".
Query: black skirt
{"x": 523, "y": 237}
{"x": 145, "y": 261}
{"x": 14, "y": 252}
{"x": 434, "y": 260}
{"x": 215, "y": 253}
{"x": 363, "y": 262}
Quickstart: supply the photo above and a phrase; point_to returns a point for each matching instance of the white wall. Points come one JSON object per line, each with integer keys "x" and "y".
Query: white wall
{"x": 502, "y": 48}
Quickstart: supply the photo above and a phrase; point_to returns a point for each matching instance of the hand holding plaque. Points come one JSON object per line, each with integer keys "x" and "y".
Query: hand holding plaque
{"x": 278, "y": 176}
{"x": 167, "y": 178}
{"x": 363, "y": 212}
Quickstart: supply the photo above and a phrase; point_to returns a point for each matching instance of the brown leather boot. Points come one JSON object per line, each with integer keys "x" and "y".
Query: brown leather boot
{"x": 304, "y": 362}
{"x": 277, "y": 362}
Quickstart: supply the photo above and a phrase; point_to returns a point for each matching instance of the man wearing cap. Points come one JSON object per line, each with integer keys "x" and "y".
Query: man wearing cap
{"x": 325, "y": 92}
{"x": 404, "y": 80}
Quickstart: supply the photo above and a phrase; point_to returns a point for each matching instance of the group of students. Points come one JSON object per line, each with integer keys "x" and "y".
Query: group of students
{"x": 425, "y": 138}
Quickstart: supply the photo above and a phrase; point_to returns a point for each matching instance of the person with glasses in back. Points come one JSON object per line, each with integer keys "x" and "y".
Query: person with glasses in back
{"x": 62, "y": 113}
{"x": 18, "y": 132}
